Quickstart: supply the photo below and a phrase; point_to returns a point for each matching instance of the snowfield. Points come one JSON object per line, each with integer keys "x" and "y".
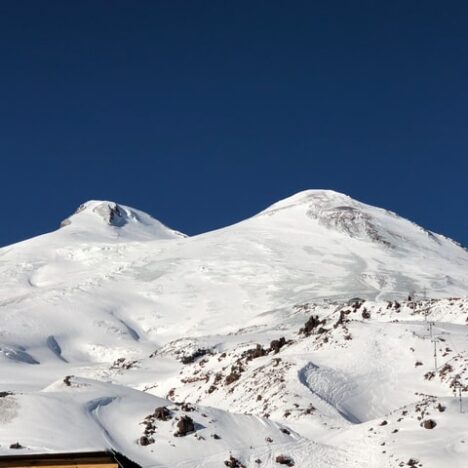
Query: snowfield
{"x": 321, "y": 332}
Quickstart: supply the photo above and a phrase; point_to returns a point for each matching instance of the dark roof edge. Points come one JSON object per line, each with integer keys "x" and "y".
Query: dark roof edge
{"x": 45, "y": 455}
{"x": 111, "y": 455}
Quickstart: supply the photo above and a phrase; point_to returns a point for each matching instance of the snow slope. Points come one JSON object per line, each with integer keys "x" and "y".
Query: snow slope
{"x": 141, "y": 316}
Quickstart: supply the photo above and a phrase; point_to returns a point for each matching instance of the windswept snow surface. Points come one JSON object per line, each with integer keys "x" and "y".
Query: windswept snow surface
{"x": 114, "y": 315}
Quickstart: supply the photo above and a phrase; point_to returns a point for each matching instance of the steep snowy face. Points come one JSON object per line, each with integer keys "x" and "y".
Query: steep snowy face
{"x": 340, "y": 213}
{"x": 117, "y": 220}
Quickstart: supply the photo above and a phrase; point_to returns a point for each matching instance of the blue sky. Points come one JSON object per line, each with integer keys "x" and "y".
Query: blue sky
{"x": 203, "y": 113}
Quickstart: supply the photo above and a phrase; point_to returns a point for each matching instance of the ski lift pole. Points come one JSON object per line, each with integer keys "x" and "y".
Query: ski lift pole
{"x": 458, "y": 386}
{"x": 434, "y": 341}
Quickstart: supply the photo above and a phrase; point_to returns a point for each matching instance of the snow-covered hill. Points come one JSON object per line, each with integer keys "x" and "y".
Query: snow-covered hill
{"x": 114, "y": 315}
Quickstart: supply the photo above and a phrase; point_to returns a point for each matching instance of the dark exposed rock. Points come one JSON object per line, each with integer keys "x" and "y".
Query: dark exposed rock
{"x": 235, "y": 374}
{"x": 162, "y": 413}
{"x": 412, "y": 462}
{"x": 429, "y": 424}
{"x": 342, "y": 318}
{"x": 185, "y": 426}
{"x": 233, "y": 463}
{"x": 16, "y": 446}
{"x": 145, "y": 440}
{"x": 189, "y": 359}
{"x": 188, "y": 407}
{"x": 285, "y": 431}
{"x": 441, "y": 407}
{"x": 254, "y": 353}
{"x": 5, "y": 394}
{"x": 284, "y": 460}
{"x": 276, "y": 345}
{"x": 115, "y": 215}
{"x": 67, "y": 380}
{"x": 356, "y": 302}
{"x": 445, "y": 370}
{"x": 365, "y": 314}
{"x": 311, "y": 325}
{"x": 122, "y": 363}
{"x": 232, "y": 377}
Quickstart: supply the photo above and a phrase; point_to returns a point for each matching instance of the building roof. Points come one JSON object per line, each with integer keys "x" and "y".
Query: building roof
{"x": 105, "y": 459}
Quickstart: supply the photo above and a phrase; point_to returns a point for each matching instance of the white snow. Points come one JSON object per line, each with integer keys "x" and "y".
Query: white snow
{"x": 117, "y": 300}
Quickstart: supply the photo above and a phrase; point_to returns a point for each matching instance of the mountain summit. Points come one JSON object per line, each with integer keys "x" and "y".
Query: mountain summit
{"x": 357, "y": 220}
{"x": 101, "y": 217}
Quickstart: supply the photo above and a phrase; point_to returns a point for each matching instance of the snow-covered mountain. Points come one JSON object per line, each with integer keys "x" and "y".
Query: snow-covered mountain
{"x": 110, "y": 220}
{"x": 290, "y": 333}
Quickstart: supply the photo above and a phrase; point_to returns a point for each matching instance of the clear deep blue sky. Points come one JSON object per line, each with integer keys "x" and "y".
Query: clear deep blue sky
{"x": 204, "y": 112}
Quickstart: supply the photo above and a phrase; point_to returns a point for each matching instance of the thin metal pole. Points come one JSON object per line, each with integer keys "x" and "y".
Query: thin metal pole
{"x": 458, "y": 386}
{"x": 434, "y": 341}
